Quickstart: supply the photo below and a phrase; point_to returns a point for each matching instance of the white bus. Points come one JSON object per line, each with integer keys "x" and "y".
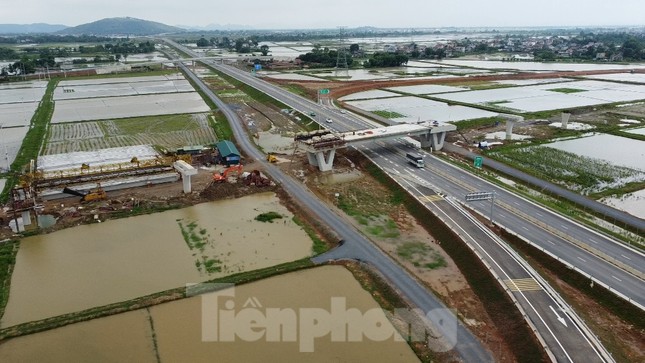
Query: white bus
{"x": 415, "y": 159}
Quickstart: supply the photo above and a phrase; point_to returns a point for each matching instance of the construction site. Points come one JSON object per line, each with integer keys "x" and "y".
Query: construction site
{"x": 157, "y": 158}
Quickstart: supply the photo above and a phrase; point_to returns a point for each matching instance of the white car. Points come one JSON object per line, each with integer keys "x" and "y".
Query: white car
{"x": 343, "y": 111}
{"x": 329, "y": 121}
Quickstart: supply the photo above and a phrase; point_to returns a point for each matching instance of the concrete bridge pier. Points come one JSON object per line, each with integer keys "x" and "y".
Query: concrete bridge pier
{"x": 509, "y": 129}
{"x": 434, "y": 140}
{"x": 322, "y": 161}
{"x": 186, "y": 170}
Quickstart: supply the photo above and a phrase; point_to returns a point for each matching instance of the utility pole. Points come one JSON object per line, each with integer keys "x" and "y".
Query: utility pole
{"x": 341, "y": 57}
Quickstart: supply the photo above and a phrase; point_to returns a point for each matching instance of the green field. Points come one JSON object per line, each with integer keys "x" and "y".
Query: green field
{"x": 168, "y": 131}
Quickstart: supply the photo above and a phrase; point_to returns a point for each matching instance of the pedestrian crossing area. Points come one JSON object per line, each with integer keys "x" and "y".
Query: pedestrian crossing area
{"x": 527, "y": 284}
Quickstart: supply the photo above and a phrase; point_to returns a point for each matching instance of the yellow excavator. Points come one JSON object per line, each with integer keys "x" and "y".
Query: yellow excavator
{"x": 271, "y": 158}
{"x": 91, "y": 196}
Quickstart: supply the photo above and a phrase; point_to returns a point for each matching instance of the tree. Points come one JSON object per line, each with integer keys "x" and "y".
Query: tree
{"x": 203, "y": 42}
{"x": 264, "y": 49}
{"x": 354, "y": 48}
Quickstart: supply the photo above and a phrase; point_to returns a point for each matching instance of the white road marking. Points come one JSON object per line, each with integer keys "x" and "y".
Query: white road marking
{"x": 551, "y": 242}
{"x": 626, "y": 257}
{"x": 538, "y": 213}
{"x": 581, "y": 259}
{"x": 594, "y": 241}
{"x": 525, "y": 228}
{"x": 565, "y": 227}
{"x": 616, "y": 278}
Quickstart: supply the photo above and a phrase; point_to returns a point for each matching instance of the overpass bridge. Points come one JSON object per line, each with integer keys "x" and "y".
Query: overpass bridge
{"x": 321, "y": 145}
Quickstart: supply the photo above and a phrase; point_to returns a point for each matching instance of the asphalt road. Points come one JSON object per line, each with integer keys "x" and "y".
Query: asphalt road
{"x": 568, "y": 341}
{"x": 356, "y": 246}
{"x": 620, "y": 217}
{"x": 563, "y": 332}
{"x": 603, "y": 259}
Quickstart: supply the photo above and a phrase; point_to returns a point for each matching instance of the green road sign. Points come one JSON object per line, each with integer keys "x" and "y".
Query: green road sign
{"x": 479, "y": 161}
{"x": 324, "y": 91}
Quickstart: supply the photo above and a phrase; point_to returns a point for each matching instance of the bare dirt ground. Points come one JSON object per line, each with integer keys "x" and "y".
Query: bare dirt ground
{"x": 70, "y": 212}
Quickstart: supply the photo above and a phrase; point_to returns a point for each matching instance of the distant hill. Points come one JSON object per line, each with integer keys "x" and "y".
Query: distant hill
{"x": 121, "y": 26}
{"x": 30, "y": 28}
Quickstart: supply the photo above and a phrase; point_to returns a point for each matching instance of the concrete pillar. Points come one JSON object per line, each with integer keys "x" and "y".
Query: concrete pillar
{"x": 318, "y": 158}
{"x": 185, "y": 179}
{"x": 565, "y": 119}
{"x": 434, "y": 140}
{"x": 325, "y": 163}
{"x": 509, "y": 129}
{"x": 26, "y": 219}
{"x": 186, "y": 170}
{"x": 312, "y": 158}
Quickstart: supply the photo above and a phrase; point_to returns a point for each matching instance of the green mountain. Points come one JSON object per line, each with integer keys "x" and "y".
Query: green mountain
{"x": 121, "y": 26}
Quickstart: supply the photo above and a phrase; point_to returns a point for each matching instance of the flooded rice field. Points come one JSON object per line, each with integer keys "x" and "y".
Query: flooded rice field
{"x": 371, "y": 94}
{"x": 638, "y": 131}
{"x": 87, "y": 109}
{"x": 552, "y": 96}
{"x": 98, "y": 264}
{"x": 621, "y": 77}
{"x": 414, "y": 109}
{"x": 632, "y": 203}
{"x": 538, "y": 66}
{"x": 613, "y": 149}
{"x": 174, "y": 331}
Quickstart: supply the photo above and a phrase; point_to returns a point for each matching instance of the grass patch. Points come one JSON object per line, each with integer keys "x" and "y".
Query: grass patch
{"x": 220, "y": 125}
{"x": 388, "y": 114}
{"x": 156, "y": 124}
{"x": 252, "y": 92}
{"x": 477, "y": 123}
{"x": 268, "y": 217}
{"x": 319, "y": 246}
{"x": 421, "y": 255}
{"x": 33, "y": 141}
{"x": 8, "y": 252}
{"x": 567, "y": 90}
{"x": 297, "y": 89}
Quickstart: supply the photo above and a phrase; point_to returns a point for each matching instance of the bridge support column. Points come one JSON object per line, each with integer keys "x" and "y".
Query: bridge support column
{"x": 186, "y": 170}
{"x": 565, "y": 119}
{"x": 509, "y": 129}
{"x": 322, "y": 161}
{"x": 434, "y": 140}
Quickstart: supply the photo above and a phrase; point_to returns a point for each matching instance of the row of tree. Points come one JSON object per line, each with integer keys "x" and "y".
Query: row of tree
{"x": 323, "y": 57}
{"x": 239, "y": 45}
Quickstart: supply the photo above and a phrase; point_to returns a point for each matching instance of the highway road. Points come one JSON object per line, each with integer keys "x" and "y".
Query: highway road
{"x": 605, "y": 260}
{"x": 565, "y": 341}
{"x": 466, "y": 345}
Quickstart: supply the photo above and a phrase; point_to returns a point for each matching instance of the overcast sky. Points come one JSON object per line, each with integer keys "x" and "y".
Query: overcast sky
{"x": 283, "y": 14}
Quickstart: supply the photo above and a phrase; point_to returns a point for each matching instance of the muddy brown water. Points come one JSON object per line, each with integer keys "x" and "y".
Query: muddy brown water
{"x": 178, "y": 329}
{"x": 103, "y": 263}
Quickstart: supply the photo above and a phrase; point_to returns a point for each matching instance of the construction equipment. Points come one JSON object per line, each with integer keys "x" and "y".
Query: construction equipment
{"x": 271, "y": 158}
{"x": 223, "y": 176}
{"x": 256, "y": 178}
{"x": 92, "y": 195}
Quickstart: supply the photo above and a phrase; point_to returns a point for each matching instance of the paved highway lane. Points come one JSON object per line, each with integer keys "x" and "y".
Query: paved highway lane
{"x": 563, "y": 332}
{"x": 466, "y": 346}
{"x": 539, "y": 229}
{"x": 553, "y": 337}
